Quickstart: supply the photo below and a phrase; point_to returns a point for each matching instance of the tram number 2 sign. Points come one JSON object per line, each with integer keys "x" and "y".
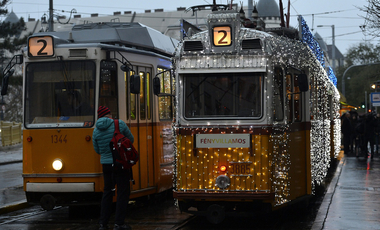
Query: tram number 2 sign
{"x": 41, "y": 46}
{"x": 222, "y": 35}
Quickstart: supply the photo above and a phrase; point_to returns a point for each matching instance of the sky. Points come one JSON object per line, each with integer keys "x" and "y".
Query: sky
{"x": 343, "y": 14}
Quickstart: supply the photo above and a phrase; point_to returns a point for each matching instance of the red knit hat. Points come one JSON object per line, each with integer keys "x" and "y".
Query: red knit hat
{"x": 102, "y": 111}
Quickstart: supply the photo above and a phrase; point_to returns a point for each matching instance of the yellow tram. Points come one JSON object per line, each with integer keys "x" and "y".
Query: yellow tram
{"x": 257, "y": 120}
{"x": 109, "y": 64}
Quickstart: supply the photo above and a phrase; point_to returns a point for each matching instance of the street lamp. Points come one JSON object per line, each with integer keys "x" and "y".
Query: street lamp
{"x": 333, "y": 43}
{"x": 376, "y": 85}
{"x": 344, "y": 74}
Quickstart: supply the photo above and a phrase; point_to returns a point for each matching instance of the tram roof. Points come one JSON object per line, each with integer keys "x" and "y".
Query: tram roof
{"x": 123, "y": 34}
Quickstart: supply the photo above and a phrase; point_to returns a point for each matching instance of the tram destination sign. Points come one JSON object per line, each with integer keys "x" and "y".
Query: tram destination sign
{"x": 41, "y": 46}
{"x": 223, "y": 141}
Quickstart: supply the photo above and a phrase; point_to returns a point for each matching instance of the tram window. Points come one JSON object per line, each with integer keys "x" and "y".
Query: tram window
{"x": 142, "y": 95}
{"x": 59, "y": 94}
{"x": 165, "y": 102}
{"x": 133, "y": 104}
{"x": 126, "y": 77}
{"x": 108, "y": 87}
{"x": 132, "y": 98}
{"x": 278, "y": 95}
{"x": 297, "y": 100}
{"x": 148, "y": 108}
{"x": 228, "y": 95}
{"x": 294, "y": 97}
{"x": 330, "y": 108}
{"x": 289, "y": 94}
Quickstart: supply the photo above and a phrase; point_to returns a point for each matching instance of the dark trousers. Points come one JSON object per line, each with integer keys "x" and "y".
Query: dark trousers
{"x": 371, "y": 141}
{"x": 119, "y": 177}
{"x": 346, "y": 142}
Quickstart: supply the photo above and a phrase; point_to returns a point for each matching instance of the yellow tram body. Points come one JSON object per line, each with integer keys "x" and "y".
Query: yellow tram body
{"x": 82, "y": 166}
{"x": 250, "y": 169}
{"x": 102, "y": 62}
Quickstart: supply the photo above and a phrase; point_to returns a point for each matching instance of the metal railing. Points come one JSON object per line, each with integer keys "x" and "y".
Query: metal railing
{"x": 10, "y": 133}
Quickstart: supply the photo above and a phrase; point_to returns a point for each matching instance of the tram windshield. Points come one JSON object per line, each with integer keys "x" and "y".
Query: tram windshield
{"x": 227, "y": 95}
{"x": 60, "y": 94}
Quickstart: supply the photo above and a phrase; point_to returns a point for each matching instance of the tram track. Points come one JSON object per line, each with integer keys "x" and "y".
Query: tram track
{"x": 26, "y": 215}
{"x": 187, "y": 221}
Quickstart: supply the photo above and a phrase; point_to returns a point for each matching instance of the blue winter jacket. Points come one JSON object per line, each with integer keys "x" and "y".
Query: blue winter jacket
{"x": 102, "y": 136}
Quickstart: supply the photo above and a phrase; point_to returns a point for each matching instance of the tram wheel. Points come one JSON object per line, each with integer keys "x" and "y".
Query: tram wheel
{"x": 215, "y": 214}
{"x": 47, "y": 202}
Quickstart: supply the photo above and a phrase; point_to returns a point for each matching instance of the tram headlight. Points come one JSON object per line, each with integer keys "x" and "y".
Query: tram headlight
{"x": 57, "y": 164}
{"x": 222, "y": 181}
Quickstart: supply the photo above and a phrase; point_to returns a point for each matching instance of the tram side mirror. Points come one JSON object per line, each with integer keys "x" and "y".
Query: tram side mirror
{"x": 124, "y": 68}
{"x": 156, "y": 85}
{"x": 19, "y": 59}
{"x": 303, "y": 83}
{"x": 134, "y": 83}
{"x": 4, "y": 85}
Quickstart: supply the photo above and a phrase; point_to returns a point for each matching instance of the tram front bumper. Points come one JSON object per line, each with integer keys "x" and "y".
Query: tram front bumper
{"x": 60, "y": 187}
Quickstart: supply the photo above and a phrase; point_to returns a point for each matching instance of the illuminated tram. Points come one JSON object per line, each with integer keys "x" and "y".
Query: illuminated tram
{"x": 67, "y": 76}
{"x": 257, "y": 120}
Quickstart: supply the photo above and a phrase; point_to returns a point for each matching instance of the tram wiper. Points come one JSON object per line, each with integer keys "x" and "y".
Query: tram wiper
{"x": 194, "y": 88}
{"x": 127, "y": 65}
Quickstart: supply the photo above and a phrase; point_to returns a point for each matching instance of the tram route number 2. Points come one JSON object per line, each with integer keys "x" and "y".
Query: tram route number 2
{"x": 40, "y": 46}
{"x": 222, "y": 35}
{"x": 240, "y": 168}
{"x": 55, "y": 139}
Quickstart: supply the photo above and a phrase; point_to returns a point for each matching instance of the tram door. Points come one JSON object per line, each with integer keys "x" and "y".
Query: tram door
{"x": 299, "y": 136}
{"x": 141, "y": 117}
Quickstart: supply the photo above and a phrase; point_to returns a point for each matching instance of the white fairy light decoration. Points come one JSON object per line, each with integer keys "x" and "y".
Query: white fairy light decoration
{"x": 270, "y": 154}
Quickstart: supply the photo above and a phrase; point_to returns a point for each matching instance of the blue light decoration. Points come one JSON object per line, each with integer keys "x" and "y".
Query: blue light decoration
{"x": 183, "y": 32}
{"x": 332, "y": 76}
{"x": 308, "y": 38}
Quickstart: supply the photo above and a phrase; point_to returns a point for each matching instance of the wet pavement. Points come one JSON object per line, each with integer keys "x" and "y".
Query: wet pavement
{"x": 352, "y": 200}
{"x": 12, "y": 195}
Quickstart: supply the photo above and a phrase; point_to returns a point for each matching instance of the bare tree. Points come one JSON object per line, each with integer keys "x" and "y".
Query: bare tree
{"x": 13, "y": 104}
{"x": 372, "y": 18}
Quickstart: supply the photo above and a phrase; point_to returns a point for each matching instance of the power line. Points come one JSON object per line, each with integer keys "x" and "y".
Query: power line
{"x": 329, "y": 12}
{"x": 340, "y": 35}
{"x": 356, "y": 18}
{"x": 70, "y": 6}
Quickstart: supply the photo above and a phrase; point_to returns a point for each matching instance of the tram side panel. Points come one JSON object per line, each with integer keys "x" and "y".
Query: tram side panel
{"x": 163, "y": 132}
{"x": 151, "y": 175}
{"x": 299, "y": 150}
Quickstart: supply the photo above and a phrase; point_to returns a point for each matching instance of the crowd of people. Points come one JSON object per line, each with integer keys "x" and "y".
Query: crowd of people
{"x": 361, "y": 132}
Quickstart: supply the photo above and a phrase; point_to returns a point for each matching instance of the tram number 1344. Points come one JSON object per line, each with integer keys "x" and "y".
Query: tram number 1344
{"x": 58, "y": 139}
{"x": 240, "y": 168}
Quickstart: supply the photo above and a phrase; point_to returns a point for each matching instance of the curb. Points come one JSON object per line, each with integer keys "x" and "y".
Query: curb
{"x": 14, "y": 206}
{"x": 10, "y": 162}
{"x": 323, "y": 211}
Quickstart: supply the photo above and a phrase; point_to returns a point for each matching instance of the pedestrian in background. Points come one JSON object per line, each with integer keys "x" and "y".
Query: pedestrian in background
{"x": 354, "y": 142}
{"x": 112, "y": 174}
{"x": 369, "y": 134}
{"x": 346, "y": 130}
{"x": 377, "y": 130}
